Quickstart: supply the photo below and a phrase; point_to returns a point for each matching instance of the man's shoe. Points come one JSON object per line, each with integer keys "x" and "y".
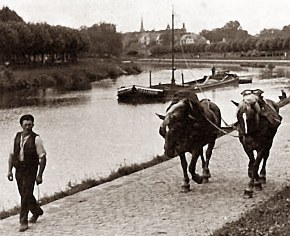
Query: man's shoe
{"x": 33, "y": 219}
{"x": 23, "y": 227}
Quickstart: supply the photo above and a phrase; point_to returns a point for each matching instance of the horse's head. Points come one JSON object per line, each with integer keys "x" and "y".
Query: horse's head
{"x": 174, "y": 125}
{"x": 249, "y": 109}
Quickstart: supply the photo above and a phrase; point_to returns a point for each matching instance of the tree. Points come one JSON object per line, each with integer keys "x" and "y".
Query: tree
{"x": 232, "y": 26}
{"x": 8, "y": 15}
{"x": 166, "y": 38}
{"x": 40, "y": 40}
{"x": 104, "y": 40}
{"x": 22, "y": 48}
{"x": 286, "y": 43}
{"x": 231, "y": 31}
{"x": 8, "y": 40}
{"x": 57, "y": 44}
{"x": 250, "y": 43}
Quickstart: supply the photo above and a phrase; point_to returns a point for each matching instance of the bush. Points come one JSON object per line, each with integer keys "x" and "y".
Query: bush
{"x": 79, "y": 81}
{"x": 7, "y": 79}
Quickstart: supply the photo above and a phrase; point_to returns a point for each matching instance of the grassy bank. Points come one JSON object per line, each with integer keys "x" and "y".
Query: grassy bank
{"x": 269, "y": 218}
{"x": 67, "y": 77}
{"x": 89, "y": 183}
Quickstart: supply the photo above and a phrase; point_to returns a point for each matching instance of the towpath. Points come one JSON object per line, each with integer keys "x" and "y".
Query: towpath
{"x": 150, "y": 202}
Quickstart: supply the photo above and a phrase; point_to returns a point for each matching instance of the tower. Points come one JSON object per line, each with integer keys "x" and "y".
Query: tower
{"x": 142, "y": 26}
{"x": 183, "y": 28}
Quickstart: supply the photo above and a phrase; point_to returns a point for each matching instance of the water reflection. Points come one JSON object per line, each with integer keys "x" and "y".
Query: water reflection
{"x": 38, "y": 97}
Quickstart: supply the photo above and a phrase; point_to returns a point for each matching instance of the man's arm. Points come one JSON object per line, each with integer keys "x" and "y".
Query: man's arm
{"x": 10, "y": 166}
{"x": 42, "y": 158}
{"x": 42, "y": 164}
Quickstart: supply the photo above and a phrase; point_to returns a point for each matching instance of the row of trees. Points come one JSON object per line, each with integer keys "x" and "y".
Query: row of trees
{"x": 231, "y": 38}
{"x": 25, "y": 43}
{"x": 252, "y": 46}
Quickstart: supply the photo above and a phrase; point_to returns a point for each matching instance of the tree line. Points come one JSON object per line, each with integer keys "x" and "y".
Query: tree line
{"x": 252, "y": 46}
{"x": 26, "y": 43}
{"x": 231, "y": 38}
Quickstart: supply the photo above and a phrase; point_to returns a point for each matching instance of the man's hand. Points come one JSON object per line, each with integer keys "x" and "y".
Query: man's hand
{"x": 38, "y": 179}
{"x": 10, "y": 176}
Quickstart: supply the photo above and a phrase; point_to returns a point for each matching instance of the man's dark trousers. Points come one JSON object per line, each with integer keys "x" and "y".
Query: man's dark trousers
{"x": 25, "y": 177}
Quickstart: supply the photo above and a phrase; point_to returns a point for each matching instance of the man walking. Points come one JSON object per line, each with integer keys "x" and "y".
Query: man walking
{"x": 28, "y": 157}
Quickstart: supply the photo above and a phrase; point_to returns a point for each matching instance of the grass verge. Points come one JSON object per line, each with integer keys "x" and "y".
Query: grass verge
{"x": 271, "y": 217}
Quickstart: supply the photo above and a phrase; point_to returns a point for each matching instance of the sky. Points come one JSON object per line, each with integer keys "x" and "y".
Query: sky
{"x": 253, "y": 15}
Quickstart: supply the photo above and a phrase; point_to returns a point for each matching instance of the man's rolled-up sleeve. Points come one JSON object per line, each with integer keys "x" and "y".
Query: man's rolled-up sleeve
{"x": 39, "y": 147}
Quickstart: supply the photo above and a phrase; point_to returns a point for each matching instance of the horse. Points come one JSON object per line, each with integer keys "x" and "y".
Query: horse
{"x": 257, "y": 122}
{"x": 189, "y": 125}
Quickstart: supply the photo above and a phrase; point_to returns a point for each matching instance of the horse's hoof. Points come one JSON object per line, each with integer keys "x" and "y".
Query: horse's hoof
{"x": 262, "y": 179}
{"x": 185, "y": 188}
{"x": 248, "y": 193}
{"x": 205, "y": 180}
{"x": 258, "y": 186}
{"x": 197, "y": 179}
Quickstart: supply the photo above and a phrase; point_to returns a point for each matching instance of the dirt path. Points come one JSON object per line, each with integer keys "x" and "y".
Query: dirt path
{"x": 150, "y": 202}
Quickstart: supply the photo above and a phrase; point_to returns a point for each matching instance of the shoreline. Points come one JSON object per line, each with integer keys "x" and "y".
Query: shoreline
{"x": 246, "y": 62}
{"x": 65, "y": 77}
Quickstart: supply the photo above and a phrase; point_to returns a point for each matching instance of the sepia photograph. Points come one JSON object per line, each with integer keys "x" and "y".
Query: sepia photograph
{"x": 144, "y": 117}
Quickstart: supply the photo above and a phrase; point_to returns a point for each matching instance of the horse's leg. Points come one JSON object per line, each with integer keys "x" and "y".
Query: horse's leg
{"x": 202, "y": 158}
{"x": 185, "y": 186}
{"x": 249, "y": 190}
{"x": 262, "y": 176}
{"x": 263, "y": 171}
{"x": 256, "y": 178}
{"x": 195, "y": 177}
{"x": 251, "y": 156}
{"x": 206, "y": 172}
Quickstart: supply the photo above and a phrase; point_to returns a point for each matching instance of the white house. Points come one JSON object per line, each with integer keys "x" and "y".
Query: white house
{"x": 191, "y": 38}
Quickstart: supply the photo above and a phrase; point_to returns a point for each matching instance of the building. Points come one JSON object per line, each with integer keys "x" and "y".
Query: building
{"x": 152, "y": 38}
{"x": 144, "y": 39}
{"x": 191, "y": 38}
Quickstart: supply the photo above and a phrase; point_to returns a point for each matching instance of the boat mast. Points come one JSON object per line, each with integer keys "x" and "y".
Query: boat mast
{"x": 172, "y": 53}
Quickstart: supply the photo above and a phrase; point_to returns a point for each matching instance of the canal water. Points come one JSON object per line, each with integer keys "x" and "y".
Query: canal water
{"x": 88, "y": 134}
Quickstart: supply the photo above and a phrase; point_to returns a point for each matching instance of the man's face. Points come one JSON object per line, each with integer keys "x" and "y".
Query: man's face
{"x": 27, "y": 126}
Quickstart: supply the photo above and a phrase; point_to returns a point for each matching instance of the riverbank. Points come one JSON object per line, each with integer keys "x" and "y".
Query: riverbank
{"x": 65, "y": 76}
{"x": 260, "y": 63}
{"x": 80, "y": 75}
{"x": 272, "y": 68}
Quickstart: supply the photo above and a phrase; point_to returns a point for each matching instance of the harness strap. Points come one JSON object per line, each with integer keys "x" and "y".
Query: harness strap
{"x": 221, "y": 130}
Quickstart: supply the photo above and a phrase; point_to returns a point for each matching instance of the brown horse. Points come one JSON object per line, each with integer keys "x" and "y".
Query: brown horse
{"x": 258, "y": 121}
{"x": 188, "y": 126}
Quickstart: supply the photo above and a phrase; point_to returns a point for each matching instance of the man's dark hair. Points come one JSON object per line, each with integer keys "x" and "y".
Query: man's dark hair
{"x": 26, "y": 117}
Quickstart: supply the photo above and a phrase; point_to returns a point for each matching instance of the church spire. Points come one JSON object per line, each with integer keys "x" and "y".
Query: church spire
{"x": 142, "y": 26}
